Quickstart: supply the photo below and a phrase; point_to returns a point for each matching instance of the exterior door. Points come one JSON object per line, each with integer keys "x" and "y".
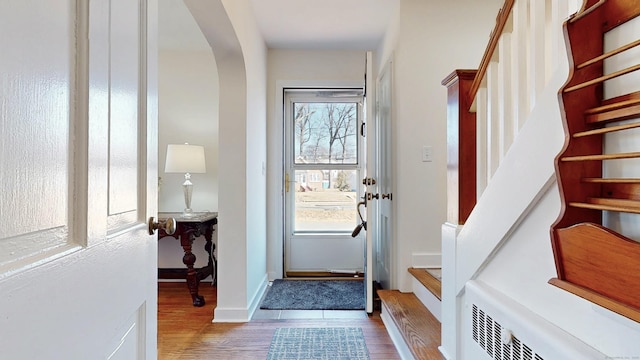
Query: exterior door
{"x": 323, "y": 162}
{"x": 384, "y": 246}
{"x": 78, "y": 178}
{"x": 370, "y": 166}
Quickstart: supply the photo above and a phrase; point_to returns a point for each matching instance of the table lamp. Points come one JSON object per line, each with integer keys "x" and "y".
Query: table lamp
{"x": 187, "y": 159}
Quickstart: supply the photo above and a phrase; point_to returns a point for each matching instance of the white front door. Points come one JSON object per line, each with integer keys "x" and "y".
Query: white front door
{"x": 383, "y": 216}
{"x": 78, "y": 179}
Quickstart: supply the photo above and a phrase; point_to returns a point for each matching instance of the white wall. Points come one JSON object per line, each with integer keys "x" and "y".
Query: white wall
{"x": 240, "y": 52}
{"x": 432, "y": 39}
{"x": 255, "y": 185}
{"x": 188, "y": 112}
{"x": 297, "y": 68}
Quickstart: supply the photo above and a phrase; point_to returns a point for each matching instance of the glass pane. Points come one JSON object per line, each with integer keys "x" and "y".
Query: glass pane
{"x": 325, "y": 133}
{"x": 325, "y": 200}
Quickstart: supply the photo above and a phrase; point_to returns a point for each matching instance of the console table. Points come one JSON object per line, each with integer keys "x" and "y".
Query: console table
{"x": 187, "y": 230}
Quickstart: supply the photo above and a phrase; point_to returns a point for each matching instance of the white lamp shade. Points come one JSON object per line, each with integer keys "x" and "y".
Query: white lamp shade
{"x": 185, "y": 158}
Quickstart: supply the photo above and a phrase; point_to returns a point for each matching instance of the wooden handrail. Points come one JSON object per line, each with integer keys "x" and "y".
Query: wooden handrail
{"x": 586, "y": 12}
{"x": 501, "y": 21}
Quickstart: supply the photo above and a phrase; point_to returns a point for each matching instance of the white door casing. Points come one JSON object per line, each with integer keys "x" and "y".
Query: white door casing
{"x": 78, "y": 176}
{"x": 317, "y": 246}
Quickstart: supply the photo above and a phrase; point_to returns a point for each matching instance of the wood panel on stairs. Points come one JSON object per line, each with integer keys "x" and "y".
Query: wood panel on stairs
{"x": 592, "y": 260}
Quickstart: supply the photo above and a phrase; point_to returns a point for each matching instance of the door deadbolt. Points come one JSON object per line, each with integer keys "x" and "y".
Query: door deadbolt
{"x": 371, "y": 196}
{"x": 368, "y": 181}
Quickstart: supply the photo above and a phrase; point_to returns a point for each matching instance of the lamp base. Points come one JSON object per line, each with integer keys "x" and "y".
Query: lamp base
{"x": 187, "y": 187}
{"x": 188, "y": 213}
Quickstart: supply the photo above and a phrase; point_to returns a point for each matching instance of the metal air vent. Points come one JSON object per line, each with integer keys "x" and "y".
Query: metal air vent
{"x": 498, "y": 341}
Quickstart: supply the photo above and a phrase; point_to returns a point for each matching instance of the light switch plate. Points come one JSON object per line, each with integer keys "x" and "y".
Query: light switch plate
{"x": 427, "y": 153}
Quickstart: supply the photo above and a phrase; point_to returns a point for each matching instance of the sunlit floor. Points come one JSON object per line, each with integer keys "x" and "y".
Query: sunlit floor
{"x": 186, "y": 332}
{"x": 261, "y": 314}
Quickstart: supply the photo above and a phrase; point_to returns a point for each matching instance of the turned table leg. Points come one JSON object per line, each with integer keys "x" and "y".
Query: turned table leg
{"x": 189, "y": 260}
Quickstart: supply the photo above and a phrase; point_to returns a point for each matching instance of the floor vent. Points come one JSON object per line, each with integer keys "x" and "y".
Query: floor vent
{"x": 497, "y": 341}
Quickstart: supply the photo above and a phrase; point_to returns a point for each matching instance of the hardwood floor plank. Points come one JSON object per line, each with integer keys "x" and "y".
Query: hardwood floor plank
{"x": 186, "y": 332}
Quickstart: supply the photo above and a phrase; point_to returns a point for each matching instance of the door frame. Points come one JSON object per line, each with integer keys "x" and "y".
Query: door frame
{"x": 298, "y": 93}
{"x": 276, "y": 252}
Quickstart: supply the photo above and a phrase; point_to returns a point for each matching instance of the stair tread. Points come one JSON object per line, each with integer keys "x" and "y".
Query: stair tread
{"x": 433, "y": 284}
{"x": 419, "y": 328}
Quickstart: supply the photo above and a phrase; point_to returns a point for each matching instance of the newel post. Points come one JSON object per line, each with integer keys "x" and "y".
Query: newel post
{"x": 461, "y": 147}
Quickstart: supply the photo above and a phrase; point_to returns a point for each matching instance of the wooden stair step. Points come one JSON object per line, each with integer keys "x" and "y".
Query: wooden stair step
{"x": 433, "y": 284}
{"x": 419, "y": 328}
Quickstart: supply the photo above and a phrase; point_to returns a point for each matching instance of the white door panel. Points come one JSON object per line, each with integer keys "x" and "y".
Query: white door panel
{"x": 77, "y": 270}
{"x": 126, "y": 345}
{"x": 384, "y": 176}
{"x": 315, "y": 253}
{"x": 34, "y": 180}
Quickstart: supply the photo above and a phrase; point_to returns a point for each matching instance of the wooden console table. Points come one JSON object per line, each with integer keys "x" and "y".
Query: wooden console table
{"x": 187, "y": 230}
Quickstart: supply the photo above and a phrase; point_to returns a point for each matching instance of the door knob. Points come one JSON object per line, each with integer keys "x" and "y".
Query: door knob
{"x": 168, "y": 225}
{"x": 387, "y": 196}
{"x": 371, "y": 196}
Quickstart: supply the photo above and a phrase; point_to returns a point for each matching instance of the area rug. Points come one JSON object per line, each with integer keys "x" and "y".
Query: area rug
{"x": 318, "y": 343}
{"x": 314, "y": 295}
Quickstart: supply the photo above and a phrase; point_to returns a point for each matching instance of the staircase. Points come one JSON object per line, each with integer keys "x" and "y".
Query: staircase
{"x": 413, "y": 319}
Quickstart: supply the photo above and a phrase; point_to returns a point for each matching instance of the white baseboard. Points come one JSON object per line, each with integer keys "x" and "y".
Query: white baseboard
{"x": 232, "y": 315}
{"x": 206, "y": 280}
{"x": 444, "y": 353}
{"x": 426, "y": 260}
{"x": 257, "y": 296}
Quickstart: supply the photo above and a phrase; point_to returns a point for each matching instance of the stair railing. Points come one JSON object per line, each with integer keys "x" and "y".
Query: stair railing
{"x": 522, "y": 55}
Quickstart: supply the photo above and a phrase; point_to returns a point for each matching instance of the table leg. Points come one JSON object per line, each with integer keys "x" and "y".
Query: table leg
{"x": 192, "y": 277}
{"x": 210, "y": 248}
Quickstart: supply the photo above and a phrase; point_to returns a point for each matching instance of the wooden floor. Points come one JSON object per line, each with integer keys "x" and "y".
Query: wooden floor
{"x": 186, "y": 332}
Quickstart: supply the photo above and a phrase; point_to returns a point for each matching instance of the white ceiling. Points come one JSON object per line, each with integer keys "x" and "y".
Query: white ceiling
{"x": 334, "y": 24}
{"x": 292, "y": 24}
